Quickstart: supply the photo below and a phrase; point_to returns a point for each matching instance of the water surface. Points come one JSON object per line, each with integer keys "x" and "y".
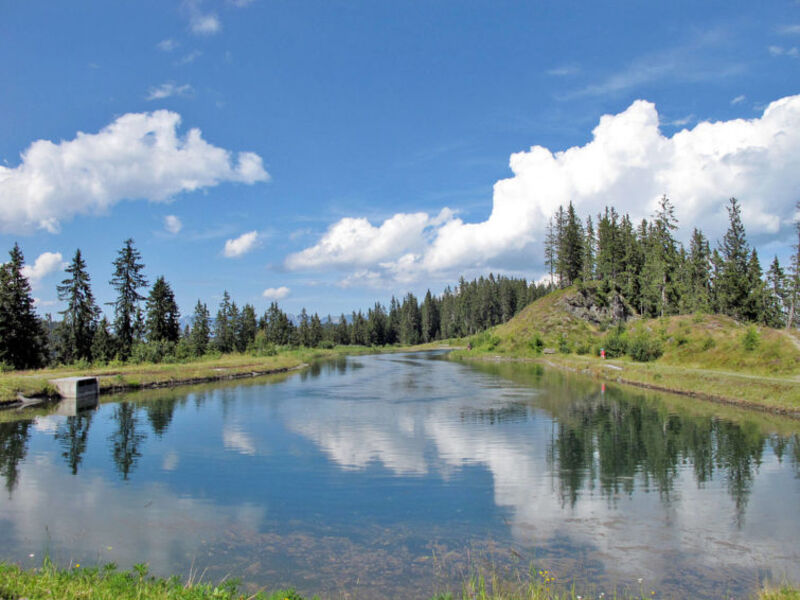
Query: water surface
{"x": 394, "y": 475}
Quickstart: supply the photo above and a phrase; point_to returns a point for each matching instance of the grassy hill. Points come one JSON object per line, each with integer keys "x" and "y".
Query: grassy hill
{"x": 711, "y": 356}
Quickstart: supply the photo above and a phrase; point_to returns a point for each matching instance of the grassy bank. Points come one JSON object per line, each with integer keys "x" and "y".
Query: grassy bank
{"x": 118, "y": 377}
{"x": 108, "y": 583}
{"x": 706, "y": 356}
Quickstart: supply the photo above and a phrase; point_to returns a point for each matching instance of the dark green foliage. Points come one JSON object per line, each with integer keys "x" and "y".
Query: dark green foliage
{"x": 104, "y": 348}
{"x": 733, "y": 280}
{"x": 570, "y": 248}
{"x": 200, "y": 333}
{"x": 77, "y": 329}
{"x": 615, "y": 343}
{"x": 163, "y": 317}
{"x": 750, "y": 339}
{"x": 127, "y": 280}
{"x": 225, "y": 324}
{"x": 22, "y": 337}
{"x": 644, "y": 348}
{"x": 246, "y": 328}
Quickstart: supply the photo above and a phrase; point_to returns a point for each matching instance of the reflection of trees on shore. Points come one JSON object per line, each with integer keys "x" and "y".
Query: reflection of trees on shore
{"x": 13, "y": 447}
{"x": 614, "y": 443}
{"x": 126, "y": 439}
{"x": 72, "y": 435}
{"x": 160, "y": 412}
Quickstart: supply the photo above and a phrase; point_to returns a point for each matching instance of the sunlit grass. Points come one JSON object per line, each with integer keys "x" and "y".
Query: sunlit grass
{"x": 107, "y": 583}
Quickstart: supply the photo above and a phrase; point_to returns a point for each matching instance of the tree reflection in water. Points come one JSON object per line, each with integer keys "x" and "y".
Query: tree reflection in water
{"x": 13, "y": 447}
{"x": 126, "y": 439}
{"x": 72, "y": 435}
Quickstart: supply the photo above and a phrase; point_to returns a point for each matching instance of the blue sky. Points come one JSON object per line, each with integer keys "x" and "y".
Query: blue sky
{"x": 334, "y": 153}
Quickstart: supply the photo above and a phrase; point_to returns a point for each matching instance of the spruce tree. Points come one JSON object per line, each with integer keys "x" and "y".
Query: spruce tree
{"x": 247, "y": 326}
{"x": 733, "y": 282}
{"x": 571, "y": 251}
{"x": 589, "y": 251}
{"x": 201, "y": 329}
{"x": 659, "y": 273}
{"x": 127, "y": 280}
{"x": 224, "y": 325}
{"x": 699, "y": 273}
{"x": 104, "y": 347}
{"x": 21, "y": 333}
{"x": 776, "y": 295}
{"x": 793, "y": 284}
{"x": 315, "y": 331}
{"x": 79, "y": 322}
{"x": 163, "y": 317}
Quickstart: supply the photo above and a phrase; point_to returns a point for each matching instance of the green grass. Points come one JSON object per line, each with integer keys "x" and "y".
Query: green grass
{"x": 708, "y": 356}
{"x": 127, "y": 376}
{"x": 108, "y": 583}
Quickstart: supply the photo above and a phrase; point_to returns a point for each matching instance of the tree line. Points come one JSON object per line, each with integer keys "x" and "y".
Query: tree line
{"x": 658, "y": 276}
{"x": 146, "y": 320}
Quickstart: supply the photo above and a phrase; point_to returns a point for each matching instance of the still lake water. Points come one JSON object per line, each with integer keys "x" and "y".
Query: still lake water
{"x": 396, "y": 475}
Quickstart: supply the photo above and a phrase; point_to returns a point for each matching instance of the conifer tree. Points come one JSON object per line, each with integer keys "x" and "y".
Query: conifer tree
{"x": 659, "y": 286}
{"x": 793, "y": 285}
{"x": 776, "y": 295}
{"x": 103, "y": 345}
{"x": 699, "y": 273}
{"x": 201, "y": 329}
{"x": 571, "y": 251}
{"x": 315, "y": 331}
{"x": 127, "y": 280}
{"x": 589, "y": 251}
{"x": 224, "y": 325}
{"x": 163, "y": 317}
{"x": 246, "y": 328}
{"x": 76, "y": 332}
{"x": 733, "y": 282}
{"x": 21, "y": 333}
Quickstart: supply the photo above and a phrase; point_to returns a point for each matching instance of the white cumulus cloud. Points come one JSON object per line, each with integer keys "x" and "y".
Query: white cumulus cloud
{"x": 45, "y": 264}
{"x": 278, "y": 293}
{"x": 628, "y": 164}
{"x": 138, "y": 156}
{"x": 241, "y": 245}
{"x": 172, "y": 224}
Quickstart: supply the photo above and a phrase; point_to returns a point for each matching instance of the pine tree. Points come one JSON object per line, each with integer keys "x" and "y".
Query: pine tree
{"x": 429, "y": 318}
{"x": 104, "y": 347}
{"x": 793, "y": 291}
{"x": 589, "y": 245}
{"x": 247, "y": 327}
{"x": 201, "y": 329}
{"x": 304, "y": 329}
{"x": 551, "y": 249}
{"x": 733, "y": 283}
{"x": 21, "y": 333}
{"x": 314, "y": 331}
{"x": 699, "y": 273}
{"x": 163, "y": 317}
{"x": 776, "y": 295}
{"x": 224, "y": 325}
{"x": 79, "y": 321}
{"x": 571, "y": 251}
{"x": 377, "y": 322}
{"x": 661, "y": 262}
{"x": 755, "y": 307}
{"x": 127, "y": 280}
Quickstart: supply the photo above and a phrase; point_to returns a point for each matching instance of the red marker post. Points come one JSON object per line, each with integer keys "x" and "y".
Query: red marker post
{"x": 603, "y": 353}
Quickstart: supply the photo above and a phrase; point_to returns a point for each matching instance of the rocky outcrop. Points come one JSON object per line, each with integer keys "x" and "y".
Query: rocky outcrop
{"x": 597, "y": 307}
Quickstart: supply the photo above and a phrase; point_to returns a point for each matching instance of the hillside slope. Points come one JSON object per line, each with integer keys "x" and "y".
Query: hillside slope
{"x": 710, "y": 356}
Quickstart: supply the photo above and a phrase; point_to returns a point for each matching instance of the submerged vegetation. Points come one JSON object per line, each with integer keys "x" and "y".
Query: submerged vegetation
{"x": 108, "y": 583}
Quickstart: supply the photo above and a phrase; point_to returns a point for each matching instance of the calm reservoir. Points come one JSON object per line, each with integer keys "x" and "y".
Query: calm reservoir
{"x": 395, "y": 475}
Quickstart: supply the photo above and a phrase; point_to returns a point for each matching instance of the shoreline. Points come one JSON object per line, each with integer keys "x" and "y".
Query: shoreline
{"x": 611, "y": 373}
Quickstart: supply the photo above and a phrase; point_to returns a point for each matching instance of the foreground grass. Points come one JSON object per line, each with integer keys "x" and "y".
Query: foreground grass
{"x": 108, "y": 583}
